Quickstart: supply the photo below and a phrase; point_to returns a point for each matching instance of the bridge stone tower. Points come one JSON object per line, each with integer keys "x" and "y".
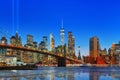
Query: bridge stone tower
{"x": 62, "y": 60}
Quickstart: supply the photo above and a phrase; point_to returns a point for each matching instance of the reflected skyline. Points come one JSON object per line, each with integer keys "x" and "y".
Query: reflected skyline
{"x": 71, "y": 73}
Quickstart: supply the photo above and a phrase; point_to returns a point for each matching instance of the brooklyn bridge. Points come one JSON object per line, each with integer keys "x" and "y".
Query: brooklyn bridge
{"x": 62, "y": 60}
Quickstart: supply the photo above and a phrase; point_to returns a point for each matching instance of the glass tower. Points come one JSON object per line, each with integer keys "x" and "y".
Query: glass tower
{"x": 62, "y": 34}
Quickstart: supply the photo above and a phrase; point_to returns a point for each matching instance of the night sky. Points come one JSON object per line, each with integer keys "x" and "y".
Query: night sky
{"x": 85, "y": 18}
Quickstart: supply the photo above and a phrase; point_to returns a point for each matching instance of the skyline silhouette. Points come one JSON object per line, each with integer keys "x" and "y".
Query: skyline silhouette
{"x": 84, "y": 18}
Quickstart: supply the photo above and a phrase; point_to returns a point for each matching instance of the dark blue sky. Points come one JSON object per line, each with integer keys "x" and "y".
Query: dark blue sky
{"x": 85, "y": 18}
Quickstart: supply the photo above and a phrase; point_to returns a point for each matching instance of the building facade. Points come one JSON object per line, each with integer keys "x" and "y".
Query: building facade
{"x": 103, "y": 52}
{"x": 16, "y": 41}
{"x": 45, "y": 40}
{"x": 115, "y": 52}
{"x": 3, "y": 50}
{"x": 62, "y": 36}
{"x": 29, "y": 39}
{"x": 30, "y": 57}
{"x": 94, "y": 48}
{"x": 43, "y": 46}
{"x": 71, "y": 44}
{"x": 52, "y": 43}
{"x": 7, "y": 59}
{"x": 79, "y": 55}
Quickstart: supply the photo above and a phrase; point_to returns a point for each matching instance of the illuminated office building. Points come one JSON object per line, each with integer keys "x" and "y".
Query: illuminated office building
{"x": 3, "y": 40}
{"x": 29, "y": 39}
{"x": 71, "y": 44}
{"x": 16, "y": 40}
{"x": 52, "y": 42}
{"x": 3, "y": 50}
{"x": 115, "y": 52}
{"x": 45, "y": 40}
{"x": 30, "y": 57}
{"x": 62, "y": 34}
{"x": 79, "y": 55}
{"x": 94, "y": 47}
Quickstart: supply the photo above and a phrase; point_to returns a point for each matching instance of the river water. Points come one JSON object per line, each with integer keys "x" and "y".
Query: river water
{"x": 61, "y": 73}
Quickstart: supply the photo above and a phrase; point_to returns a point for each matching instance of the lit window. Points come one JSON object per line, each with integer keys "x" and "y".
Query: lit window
{"x": 3, "y": 42}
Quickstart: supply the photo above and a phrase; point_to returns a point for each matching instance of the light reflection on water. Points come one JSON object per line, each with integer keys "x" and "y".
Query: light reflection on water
{"x": 69, "y": 73}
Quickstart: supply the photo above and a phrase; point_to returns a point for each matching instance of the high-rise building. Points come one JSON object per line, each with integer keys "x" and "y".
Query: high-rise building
{"x": 3, "y": 40}
{"x": 94, "y": 47}
{"x": 71, "y": 44}
{"x": 45, "y": 41}
{"x": 3, "y": 50}
{"x": 42, "y": 46}
{"x": 13, "y": 40}
{"x": 29, "y": 39}
{"x": 115, "y": 52}
{"x": 16, "y": 40}
{"x": 35, "y": 54}
{"x": 30, "y": 57}
{"x": 62, "y": 34}
{"x": 79, "y": 55}
{"x": 103, "y": 52}
{"x": 52, "y": 48}
{"x": 52, "y": 42}
{"x": 35, "y": 45}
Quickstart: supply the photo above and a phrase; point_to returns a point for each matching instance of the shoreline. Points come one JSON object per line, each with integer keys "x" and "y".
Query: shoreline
{"x": 19, "y": 68}
{"x": 33, "y": 67}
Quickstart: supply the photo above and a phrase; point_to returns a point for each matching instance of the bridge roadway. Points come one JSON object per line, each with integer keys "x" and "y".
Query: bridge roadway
{"x": 39, "y": 51}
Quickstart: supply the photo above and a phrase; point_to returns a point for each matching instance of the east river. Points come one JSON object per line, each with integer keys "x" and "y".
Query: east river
{"x": 61, "y": 73}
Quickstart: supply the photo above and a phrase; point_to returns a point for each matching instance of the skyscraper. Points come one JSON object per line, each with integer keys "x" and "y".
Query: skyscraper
{"x": 29, "y": 39}
{"x": 45, "y": 41}
{"x": 30, "y": 57}
{"x": 79, "y": 55}
{"x": 16, "y": 40}
{"x": 52, "y": 42}
{"x": 115, "y": 52}
{"x": 62, "y": 34}
{"x": 3, "y": 40}
{"x": 42, "y": 46}
{"x": 94, "y": 47}
{"x": 71, "y": 44}
{"x": 3, "y": 50}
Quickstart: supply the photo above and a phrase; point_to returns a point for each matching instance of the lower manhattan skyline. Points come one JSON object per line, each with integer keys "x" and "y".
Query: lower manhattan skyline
{"x": 84, "y": 18}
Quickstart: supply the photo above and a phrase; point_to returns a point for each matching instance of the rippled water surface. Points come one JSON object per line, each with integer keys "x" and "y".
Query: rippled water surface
{"x": 57, "y": 73}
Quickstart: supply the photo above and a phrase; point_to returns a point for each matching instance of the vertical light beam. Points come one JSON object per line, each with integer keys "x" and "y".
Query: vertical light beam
{"x": 13, "y": 15}
{"x": 17, "y": 15}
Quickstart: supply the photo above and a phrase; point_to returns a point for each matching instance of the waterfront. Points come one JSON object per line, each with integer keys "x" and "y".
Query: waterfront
{"x": 61, "y": 73}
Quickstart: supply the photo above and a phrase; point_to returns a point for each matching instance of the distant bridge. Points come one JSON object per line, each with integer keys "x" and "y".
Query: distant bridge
{"x": 60, "y": 58}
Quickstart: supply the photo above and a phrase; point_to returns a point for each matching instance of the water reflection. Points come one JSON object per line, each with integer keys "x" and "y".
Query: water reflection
{"x": 71, "y": 73}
